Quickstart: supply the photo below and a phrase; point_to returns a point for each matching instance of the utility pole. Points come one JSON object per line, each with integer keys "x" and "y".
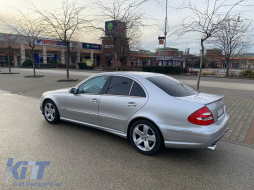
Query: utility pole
{"x": 165, "y": 33}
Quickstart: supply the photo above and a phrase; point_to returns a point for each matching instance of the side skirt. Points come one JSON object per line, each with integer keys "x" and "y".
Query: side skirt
{"x": 115, "y": 132}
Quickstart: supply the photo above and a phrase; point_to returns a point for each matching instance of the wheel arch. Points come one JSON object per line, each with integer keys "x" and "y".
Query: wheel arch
{"x": 143, "y": 118}
{"x": 46, "y": 99}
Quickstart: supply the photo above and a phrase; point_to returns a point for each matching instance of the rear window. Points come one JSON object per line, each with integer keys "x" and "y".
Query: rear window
{"x": 137, "y": 90}
{"x": 172, "y": 86}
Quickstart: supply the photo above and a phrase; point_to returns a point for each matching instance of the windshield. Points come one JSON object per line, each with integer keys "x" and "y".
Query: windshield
{"x": 172, "y": 86}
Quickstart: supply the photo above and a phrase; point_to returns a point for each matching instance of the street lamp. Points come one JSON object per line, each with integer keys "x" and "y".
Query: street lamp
{"x": 165, "y": 33}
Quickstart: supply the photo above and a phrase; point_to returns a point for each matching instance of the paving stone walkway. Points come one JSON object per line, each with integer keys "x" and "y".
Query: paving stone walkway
{"x": 240, "y": 107}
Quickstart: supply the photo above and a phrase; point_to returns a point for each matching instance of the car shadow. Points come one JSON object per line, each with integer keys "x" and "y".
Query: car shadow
{"x": 105, "y": 142}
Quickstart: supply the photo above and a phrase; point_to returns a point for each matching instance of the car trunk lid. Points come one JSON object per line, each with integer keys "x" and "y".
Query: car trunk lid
{"x": 215, "y": 103}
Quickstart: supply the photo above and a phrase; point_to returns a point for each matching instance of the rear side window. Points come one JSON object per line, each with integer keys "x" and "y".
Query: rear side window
{"x": 119, "y": 86}
{"x": 137, "y": 90}
{"x": 172, "y": 86}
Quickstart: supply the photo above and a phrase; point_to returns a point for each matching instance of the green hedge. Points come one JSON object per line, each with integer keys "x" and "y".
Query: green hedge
{"x": 162, "y": 69}
{"x": 83, "y": 65}
{"x": 248, "y": 74}
{"x": 27, "y": 63}
{"x": 59, "y": 65}
{"x": 52, "y": 62}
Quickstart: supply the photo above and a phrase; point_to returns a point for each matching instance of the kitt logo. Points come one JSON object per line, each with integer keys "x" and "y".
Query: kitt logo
{"x": 38, "y": 168}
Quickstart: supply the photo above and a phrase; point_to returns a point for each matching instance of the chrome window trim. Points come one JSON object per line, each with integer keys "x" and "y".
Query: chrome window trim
{"x": 87, "y": 94}
{"x": 123, "y": 96}
{"x": 131, "y": 87}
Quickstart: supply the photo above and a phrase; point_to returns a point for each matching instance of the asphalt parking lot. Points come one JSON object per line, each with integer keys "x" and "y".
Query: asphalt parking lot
{"x": 85, "y": 158}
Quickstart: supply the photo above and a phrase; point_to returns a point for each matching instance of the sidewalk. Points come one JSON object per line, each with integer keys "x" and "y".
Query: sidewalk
{"x": 225, "y": 85}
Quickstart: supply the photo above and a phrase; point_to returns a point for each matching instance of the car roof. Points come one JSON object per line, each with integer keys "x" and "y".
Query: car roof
{"x": 132, "y": 74}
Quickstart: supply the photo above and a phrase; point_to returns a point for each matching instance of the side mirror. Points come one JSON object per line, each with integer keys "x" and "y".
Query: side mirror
{"x": 73, "y": 91}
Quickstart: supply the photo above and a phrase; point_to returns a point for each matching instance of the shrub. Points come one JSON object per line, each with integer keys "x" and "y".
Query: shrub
{"x": 59, "y": 65}
{"x": 83, "y": 65}
{"x": 27, "y": 63}
{"x": 162, "y": 69}
{"x": 177, "y": 70}
{"x": 52, "y": 62}
{"x": 248, "y": 74}
{"x": 118, "y": 68}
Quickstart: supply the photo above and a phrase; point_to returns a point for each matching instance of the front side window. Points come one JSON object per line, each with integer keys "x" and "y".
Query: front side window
{"x": 119, "y": 86}
{"x": 93, "y": 86}
{"x": 137, "y": 90}
{"x": 172, "y": 86}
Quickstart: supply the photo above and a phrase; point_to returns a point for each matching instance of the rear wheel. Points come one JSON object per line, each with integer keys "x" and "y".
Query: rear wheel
{"x": 51, "y": 113}
{"x": 145, "y": 137}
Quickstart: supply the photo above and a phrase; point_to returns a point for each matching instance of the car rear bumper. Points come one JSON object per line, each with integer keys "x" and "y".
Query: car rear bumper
{"x": 189, "y": 138}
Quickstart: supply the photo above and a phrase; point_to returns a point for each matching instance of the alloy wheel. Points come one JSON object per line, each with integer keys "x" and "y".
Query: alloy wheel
{"x": 49, "y": 111}
{"x": 144, "y": 137}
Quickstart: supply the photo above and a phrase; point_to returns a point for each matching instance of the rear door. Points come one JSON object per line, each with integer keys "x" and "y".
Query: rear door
{"x": 121, "y": 100}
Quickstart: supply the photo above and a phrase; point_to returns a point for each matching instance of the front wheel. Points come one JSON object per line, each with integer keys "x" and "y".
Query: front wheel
{"x": 51, "y": 113}
{"x": 145, "y": 137}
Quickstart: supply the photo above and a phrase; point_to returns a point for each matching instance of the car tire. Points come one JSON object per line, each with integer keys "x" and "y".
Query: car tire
{"x": 145, "y": 137}
{"x": 50, "y": 112}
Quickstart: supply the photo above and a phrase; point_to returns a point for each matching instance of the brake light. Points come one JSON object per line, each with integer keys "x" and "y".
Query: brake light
{"x": 202, "y": 116}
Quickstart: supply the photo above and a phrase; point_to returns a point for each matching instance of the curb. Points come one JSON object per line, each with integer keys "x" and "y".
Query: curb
{"x": 34, "y": 76}
{"x": 67, "y": 80}
{"x": 9, "y": 73}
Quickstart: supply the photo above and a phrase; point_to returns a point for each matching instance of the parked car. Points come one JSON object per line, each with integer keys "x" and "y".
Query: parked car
{"x": 149, "y": 109}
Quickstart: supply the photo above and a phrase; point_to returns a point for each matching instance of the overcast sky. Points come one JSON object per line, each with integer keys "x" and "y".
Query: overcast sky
{"x": 153, "y": 8}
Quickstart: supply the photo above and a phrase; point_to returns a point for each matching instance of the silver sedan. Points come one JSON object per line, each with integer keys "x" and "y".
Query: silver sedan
{"x": 149, "y": 109}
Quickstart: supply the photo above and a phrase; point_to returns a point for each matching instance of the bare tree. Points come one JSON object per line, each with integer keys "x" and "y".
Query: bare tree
{"x": 75, "y": 47}
{"x": 63, "y": 23}
{"x": 129, "y": 21}
{"x": 205, "y": 22}
{"x": 242, "y": 60}
{"x": 233, "y": 37}
{"x": 8, "y": 40}
{"x": 27, "y": 28}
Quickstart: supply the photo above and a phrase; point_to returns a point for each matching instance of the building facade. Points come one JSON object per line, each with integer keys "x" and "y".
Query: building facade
{"x": 214, "y": 58}
{"x": 45, "y": 50}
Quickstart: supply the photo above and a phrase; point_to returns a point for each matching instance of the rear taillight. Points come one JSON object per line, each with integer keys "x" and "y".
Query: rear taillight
{"x": 201, "y": 117}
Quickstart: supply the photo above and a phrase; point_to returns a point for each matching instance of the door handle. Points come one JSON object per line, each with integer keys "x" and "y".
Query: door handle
{"x": 131, "y": 104}
{"x": 94, "y": 100}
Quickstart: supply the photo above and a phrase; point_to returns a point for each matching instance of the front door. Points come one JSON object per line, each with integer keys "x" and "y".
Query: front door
{"x": 120, "y": 101}
{"x": 83, "y": 106}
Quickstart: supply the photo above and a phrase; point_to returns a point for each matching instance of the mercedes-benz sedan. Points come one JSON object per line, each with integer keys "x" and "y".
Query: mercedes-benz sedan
{"x": 149, "y": 109}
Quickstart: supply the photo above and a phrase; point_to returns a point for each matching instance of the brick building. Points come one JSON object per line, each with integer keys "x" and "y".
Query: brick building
{"x": 171, "y": 52}
{"x": 214, "y": 58}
